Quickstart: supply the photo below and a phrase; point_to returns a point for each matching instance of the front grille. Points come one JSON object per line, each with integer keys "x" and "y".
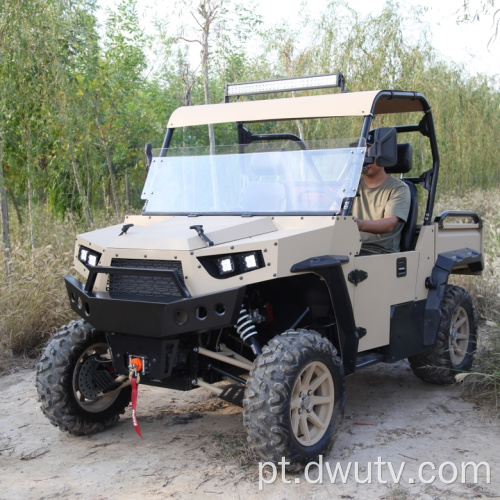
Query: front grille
{"x": 124, "y": 285}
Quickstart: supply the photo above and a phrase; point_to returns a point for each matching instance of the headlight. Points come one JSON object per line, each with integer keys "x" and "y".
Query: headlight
{"x": 84, "y": 253}
{"x": 250, "y": 261}
{"x": 88, "y": 257}
{"x": 225, "y": 266}
{"x": 92, "y": 259}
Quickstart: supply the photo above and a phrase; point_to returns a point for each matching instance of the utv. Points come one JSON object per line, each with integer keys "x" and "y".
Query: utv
{"x": 243, "y": 274}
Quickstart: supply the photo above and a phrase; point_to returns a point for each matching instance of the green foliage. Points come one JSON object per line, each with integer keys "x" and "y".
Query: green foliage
{"x": 77, "y": 105}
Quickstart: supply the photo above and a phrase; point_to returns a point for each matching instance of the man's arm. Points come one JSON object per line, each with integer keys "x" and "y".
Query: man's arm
{"x": 379, "y": 226}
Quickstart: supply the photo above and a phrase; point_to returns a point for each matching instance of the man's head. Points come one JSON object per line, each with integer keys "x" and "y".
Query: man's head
{"x": 374, "y": 174}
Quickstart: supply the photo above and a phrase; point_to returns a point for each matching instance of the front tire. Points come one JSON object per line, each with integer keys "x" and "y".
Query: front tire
{"x": 295, "y": 398}
{"x": 66, "y": 384}
{"x": 453, "y": 351}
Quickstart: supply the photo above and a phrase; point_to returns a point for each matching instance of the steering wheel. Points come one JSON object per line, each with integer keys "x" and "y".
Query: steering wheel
{"x": 319, "y": 198}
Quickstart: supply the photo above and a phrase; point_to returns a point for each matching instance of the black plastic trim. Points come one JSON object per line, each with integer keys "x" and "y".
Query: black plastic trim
{"x": 357, "y": 276}
{"x": 446, "y": 263}
{"x": 401, "y": 267}
{"x": 158, "y": 318}
{"x": 406, "y": 332}
{"x": 329, "y": 267}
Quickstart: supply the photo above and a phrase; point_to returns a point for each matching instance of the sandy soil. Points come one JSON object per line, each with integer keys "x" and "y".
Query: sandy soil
{"x": 194, "y": 446}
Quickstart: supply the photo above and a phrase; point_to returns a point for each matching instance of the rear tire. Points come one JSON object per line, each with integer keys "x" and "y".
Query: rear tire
{"x": 64, "y": 379}
{"x": 453, "y": 351}
{"x": 295, "y": 398}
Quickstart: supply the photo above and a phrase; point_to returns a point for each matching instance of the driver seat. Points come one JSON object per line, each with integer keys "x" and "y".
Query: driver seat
{"x": 403, "y": 165}
{"x": 267, "y": 194}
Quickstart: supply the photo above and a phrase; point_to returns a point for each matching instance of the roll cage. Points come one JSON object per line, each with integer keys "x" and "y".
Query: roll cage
{"x": 366, "y": 104}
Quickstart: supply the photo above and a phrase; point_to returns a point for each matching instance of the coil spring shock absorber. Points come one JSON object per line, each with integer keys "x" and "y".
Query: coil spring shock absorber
{"x": 247, "y": 331}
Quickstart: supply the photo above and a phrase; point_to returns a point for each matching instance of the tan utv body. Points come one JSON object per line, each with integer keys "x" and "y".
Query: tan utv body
{"x": 244, "y": 274}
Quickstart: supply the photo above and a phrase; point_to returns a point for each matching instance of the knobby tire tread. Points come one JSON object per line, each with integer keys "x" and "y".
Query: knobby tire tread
{"x": 54, "y": 375}
{"x": 267, "y": 399}
{"x": 435, "y": 364}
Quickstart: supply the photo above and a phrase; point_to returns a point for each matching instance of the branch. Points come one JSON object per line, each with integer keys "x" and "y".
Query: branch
{"x": 196, "y": 20}
{"x": 190, "y": 41}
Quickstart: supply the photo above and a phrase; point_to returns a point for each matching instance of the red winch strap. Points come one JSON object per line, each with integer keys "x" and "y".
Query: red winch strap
{"x": 135, "y": 386}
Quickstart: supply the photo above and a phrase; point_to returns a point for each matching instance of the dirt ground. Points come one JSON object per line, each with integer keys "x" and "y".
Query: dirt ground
{"x": 194, "y": 445}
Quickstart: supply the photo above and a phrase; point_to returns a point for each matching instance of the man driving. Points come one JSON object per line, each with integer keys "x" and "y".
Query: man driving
{"x": 381, "y": 209}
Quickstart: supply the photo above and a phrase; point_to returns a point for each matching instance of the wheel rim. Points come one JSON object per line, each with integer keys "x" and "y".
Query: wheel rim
{"x": 459, "y": 335}
{"x": 313, "y": 399}
{"x": 85, "y": 390}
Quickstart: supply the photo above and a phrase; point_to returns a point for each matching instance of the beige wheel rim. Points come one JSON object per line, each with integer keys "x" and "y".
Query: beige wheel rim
{"x": 459, "y": 335}
{"x": 313, "y": 399}
{"x": 87, "y": 394}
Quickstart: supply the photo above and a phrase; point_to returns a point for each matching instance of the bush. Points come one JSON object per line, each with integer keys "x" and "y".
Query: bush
{"x": 32, "y": 291}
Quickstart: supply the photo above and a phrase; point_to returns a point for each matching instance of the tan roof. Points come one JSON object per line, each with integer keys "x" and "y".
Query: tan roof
{"x": 290, "y": 108}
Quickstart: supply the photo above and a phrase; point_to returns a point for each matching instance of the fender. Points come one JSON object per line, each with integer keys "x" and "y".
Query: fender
{"x": 463, "y": 261}
{"x": 329, "y": 267}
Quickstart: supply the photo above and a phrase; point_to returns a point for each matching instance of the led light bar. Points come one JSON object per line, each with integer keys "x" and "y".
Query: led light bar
{"x": 285, "y": 85}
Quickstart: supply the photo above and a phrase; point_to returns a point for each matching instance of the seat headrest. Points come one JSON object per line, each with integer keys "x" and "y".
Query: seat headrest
{"x": 267, "y": 162}
{"x": 405, "y": 160}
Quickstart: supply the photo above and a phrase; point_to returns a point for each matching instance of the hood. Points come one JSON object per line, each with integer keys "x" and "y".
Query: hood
{"x": 175, "y": 234}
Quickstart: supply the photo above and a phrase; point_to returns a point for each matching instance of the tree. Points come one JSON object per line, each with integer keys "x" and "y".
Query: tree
{"x": 29, "y": 39}
{"x": 205, "y": 14}
{"x": 4, "y": 210}
{"x": 48, "y": 44}
{"x": 221, "y": 29}
{"x": 473, "y": 10}
{"x": 115, "y": 89}
{"x": 81, "y": 59}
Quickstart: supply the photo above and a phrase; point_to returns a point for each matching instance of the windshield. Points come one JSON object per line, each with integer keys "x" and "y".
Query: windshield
{"x": 236, "y": 180}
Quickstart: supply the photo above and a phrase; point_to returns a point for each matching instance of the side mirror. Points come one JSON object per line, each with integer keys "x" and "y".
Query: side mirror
{"x": 385, "y": 147}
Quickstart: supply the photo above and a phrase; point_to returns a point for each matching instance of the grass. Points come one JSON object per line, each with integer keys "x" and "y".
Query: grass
{"x": 33, "y": 297}
{"x": 34, "y": 302}
{"x": 485, "y": 289}
{"x": 232, "y": 448}
{"x": 482, "y": 383}
{"x": 397, "y": 493}
{"x": 484, "y": 380}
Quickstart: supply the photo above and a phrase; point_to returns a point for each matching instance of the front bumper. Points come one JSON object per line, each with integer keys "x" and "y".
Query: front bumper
{"x": 155, "y": 318}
